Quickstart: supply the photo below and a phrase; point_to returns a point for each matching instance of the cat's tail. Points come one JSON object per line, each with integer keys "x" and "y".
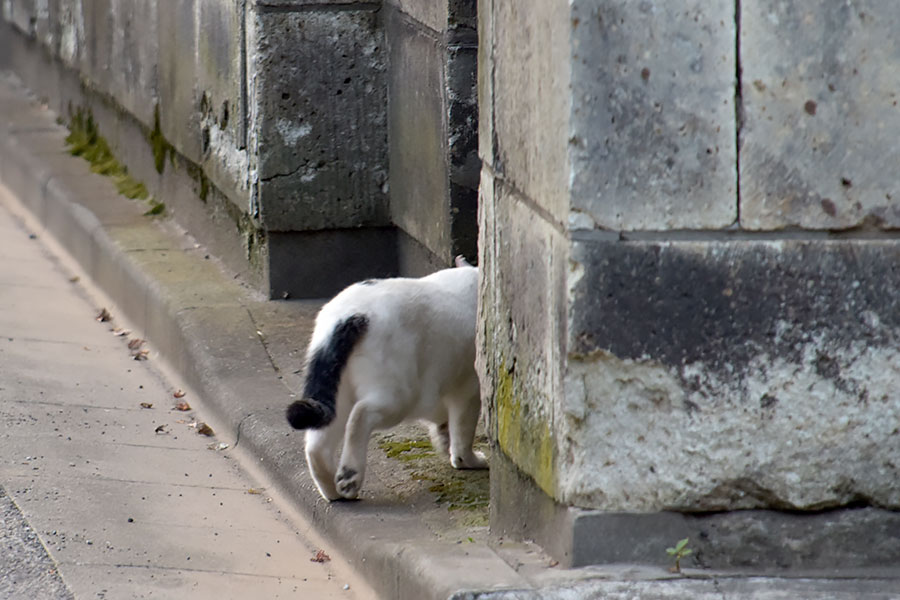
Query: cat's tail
{"x": 326, "y": 364}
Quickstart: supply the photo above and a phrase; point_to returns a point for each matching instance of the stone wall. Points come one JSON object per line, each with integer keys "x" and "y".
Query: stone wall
{"x": 268, "y": 127}
{"x": 688, "y": 241}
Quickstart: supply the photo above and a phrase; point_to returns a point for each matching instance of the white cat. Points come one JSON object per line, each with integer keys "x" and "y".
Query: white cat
{"x": 384, "y": 351}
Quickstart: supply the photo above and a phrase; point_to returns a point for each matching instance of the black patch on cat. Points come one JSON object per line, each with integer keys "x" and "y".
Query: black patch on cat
{"x": 369, "y": 282}
{"x": 323, "y": 375}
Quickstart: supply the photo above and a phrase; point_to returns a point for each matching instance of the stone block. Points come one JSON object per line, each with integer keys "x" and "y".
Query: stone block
{"x": 727, "y": 375}
{"x": 67, "y": 29}
{"x": 652, "y": 133}
{"x": 820, "y": 89}
{"x": 179, "y": 92}
{"x": 321, "y": 95}
{"x": 329, "y": 260}
{"x": 531, "y": 122}
{"x": 120, "y": 55}
{"x": 521, "y": 328}
{"x": 23, "y": 14}
{"x": 419, "y": 179}
{"x": 440, "y": 15}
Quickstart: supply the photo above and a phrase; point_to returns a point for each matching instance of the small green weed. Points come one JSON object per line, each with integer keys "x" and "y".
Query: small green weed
{"x": 678, "y": 552}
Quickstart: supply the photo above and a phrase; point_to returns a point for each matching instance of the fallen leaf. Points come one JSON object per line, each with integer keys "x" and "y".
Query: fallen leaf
{"x": 119, "y": 332}
{"x": 256, "y": 491}
{"x": 135, "y": 343}
{"x": 182, "y": 406}
{"x": 553, "y": 563}
{"x": 218, "y": 447}
{"x": 320, "y": 557}
{"x": 140, "y": 354}
{"x": 161, "y": 429}
{"x": 74, "y": 278}
{"x": 204, "y": 429}
{"x": 146, "y": 405}
{"x": 103, "y": 315}
{"x": 178, "y": 394}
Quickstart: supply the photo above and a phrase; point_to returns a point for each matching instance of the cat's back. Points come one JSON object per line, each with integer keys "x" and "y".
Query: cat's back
{"x": 437, "y": 304}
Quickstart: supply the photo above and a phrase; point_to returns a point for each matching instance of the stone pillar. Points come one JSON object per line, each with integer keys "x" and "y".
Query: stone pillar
{"x": 432, "y": 128}
{"x": 688, "y": 303}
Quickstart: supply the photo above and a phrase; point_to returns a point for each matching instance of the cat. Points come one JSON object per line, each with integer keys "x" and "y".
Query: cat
{"x": 384, "y": 351}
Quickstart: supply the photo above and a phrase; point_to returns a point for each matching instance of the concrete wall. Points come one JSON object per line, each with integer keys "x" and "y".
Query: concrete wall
{"x": 688, "y": 250}
{"x": 264, "y": 125}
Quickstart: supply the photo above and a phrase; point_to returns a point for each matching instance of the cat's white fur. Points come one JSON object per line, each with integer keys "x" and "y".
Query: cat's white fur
{"x": 416, "y": 360}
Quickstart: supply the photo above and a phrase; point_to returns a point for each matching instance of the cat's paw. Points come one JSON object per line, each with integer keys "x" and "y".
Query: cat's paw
{"x": 348, "y": 482}
{"x": 475, "y": 460}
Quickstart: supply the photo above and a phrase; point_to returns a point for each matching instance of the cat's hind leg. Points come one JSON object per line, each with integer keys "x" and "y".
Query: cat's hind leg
{"x": 374, "y": 411}
{"x": 321, "y": 456}
{"x": 463, "y": 419}
{"x": 440, "y": 436}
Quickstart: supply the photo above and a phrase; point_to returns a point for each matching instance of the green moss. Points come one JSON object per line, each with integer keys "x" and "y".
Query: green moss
{"x": 161, "y": 146}
{"x": 406, "y": 449}
{"x": 156, "y": 208}
{"x": 459, "y": 490}
{"x": 526, "y": 440}
{"x": 197, "y": 174}
{"x": 84, "y": 140}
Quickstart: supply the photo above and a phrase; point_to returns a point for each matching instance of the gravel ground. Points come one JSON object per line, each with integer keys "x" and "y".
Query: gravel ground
{"x": 26, "y": 570}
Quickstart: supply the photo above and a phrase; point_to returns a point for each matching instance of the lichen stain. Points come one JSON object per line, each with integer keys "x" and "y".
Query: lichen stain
{"x": 526, "y": 439}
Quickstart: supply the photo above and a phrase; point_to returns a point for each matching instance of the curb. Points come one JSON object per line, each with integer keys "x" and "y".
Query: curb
{"x": 202, "y": 323}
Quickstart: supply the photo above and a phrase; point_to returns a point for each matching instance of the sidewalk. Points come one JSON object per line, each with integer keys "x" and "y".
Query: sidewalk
{"x": 420, "y": 530}
{"x": 102, "y": 472}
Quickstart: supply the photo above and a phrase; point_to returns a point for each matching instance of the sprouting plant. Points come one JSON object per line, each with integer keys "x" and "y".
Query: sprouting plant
{"x": 678, "y": 552}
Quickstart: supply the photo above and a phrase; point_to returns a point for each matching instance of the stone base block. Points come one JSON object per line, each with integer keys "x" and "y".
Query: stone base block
{"x": 858, "y": 541}
{"x": 319, "y": 264}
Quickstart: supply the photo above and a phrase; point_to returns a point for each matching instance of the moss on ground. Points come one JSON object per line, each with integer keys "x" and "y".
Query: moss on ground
{"x": 467, "y": 491}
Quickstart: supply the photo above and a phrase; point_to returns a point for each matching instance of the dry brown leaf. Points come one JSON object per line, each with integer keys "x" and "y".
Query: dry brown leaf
{"x": 140, "y": 354}
{"x": 320, "y": 557}
{"x": 255, "y": 491}
{"x": 204, "y": 429}
{"x": 182, "y": 406}
{"x": 146, "y": 405}
{"x": 103, "y": 315}
{"x": 135, "y": 343}
{"x": 179, "y": 394}
{"x": 119, "y": 332}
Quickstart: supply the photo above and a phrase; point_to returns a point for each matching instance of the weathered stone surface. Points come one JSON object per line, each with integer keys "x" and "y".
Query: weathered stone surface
{"x": 530, "y": 121}
{"x": 652, "y": 134}
{"x": 23, "y": 14}
{"x": 120, "y": 55}
{"x": 440, "y": 15}
{"x": 820, "y": 96}
{"x": 322, "y": 119}
{"x": 419, "y": 177}
{"x": 433, "y": 125}
{"x": 730, "y": 375}
{"x": 521, "y": 328}
{"x": 465, "y": 166}
{"x": 222, "y": 88}
{"x": 179, "y": 97}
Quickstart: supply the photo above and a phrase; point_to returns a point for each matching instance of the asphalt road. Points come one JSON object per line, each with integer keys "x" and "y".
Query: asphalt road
{"x": 106, "y": 489}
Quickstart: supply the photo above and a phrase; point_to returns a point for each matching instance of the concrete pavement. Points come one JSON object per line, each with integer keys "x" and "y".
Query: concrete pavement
{"x": 420, "y": 530}
{"x": 105, "y": 476}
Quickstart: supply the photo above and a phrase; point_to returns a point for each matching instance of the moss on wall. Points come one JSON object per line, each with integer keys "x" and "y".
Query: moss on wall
{"x": 84, "y": 140}
{"x": 524, "y": 437}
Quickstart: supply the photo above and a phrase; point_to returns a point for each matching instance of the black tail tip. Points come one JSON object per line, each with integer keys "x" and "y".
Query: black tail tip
{"x": 302, "y": 414}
